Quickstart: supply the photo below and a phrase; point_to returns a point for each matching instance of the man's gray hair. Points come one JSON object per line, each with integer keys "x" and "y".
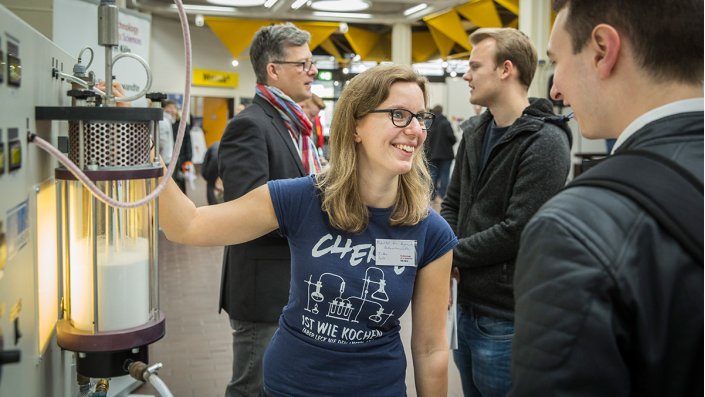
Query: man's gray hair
{"x": 270, "y": 44}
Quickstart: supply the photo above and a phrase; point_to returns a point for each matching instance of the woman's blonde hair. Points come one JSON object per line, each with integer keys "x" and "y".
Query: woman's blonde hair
{"x": 339, "y": 184}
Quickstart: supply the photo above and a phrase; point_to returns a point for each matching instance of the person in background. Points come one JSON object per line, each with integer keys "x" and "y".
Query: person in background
{"x": 270, "y": 139}
{"x": 607, "y": 302}
{"x": 511, "y": 159}
{"x": 209, "y": 171}
{"x": 166, "y": 137}
{"x": 439, "y": 152}
{"x": 364, "y": 246}
{"x": 183, "y": 164}
{"x": 312, "y": 108}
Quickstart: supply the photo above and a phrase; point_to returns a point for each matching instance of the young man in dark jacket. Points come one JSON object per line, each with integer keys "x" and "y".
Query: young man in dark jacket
{"x": 607, "y": 302}
{"x": 511, "y": 159}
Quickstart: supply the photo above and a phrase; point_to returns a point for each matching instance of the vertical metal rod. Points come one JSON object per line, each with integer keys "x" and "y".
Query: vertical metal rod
{"x": 63, "y": 248}
{"x": 109, "y": 75}
{"x": 154, "y": 205}
{"x": 155, "y": 140}
{"x": 94, "y": 259}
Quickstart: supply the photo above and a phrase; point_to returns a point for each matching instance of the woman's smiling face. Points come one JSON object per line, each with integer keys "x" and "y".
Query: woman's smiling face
{"x": 382, "y": 146}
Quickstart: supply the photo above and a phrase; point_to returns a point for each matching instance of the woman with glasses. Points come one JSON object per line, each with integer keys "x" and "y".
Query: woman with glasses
{"x": 364, "y": 245}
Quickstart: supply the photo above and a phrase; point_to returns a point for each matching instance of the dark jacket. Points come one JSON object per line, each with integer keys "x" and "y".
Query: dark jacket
{"x": 488, "y": 209}
{"x": 255, "y": 148}
{"x": 608, "y": 304}
{"x": 209, "y": 171}
{"x": 440, "y": 141}
{"x": 186, "y": 152}
{"x": 209, "y": 168}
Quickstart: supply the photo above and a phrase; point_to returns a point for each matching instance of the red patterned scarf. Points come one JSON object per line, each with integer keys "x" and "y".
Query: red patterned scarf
{"x": 296, "y": 122}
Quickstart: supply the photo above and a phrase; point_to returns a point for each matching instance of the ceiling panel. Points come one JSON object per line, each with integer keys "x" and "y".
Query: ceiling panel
{"x": 355, "y": 38}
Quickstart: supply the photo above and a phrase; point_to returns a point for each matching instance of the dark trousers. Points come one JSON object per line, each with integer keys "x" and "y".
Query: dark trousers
{"x": 249, "y": 342}
{"x": 440, "y": 174}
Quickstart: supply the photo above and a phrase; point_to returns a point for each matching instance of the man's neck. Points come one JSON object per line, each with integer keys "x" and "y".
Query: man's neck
{"x": 507, "y": 110}
{"x": 652, "y": 96}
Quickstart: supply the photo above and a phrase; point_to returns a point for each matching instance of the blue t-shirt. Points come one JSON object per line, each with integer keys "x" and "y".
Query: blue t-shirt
{"x": 339, "y": 333}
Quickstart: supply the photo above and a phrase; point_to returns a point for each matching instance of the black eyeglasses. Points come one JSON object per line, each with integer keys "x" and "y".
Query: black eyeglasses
{"x": 402, "y": 117}
{"x": 306, "y": 65}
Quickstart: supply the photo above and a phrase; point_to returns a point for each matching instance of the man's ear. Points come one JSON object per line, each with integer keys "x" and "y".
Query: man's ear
{"x": 506, "y": 69}
{"x": 272, "y": 72}
{"x": 606, "y": 44}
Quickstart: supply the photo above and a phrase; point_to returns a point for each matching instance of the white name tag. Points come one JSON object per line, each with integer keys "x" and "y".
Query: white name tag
{"x": 395, "y": 252}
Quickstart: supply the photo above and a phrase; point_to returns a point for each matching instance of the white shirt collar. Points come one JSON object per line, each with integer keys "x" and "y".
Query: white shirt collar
{"x": 682, "y": 106}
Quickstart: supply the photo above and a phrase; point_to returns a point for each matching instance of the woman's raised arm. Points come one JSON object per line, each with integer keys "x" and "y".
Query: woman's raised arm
{"x": 232, "y": 222}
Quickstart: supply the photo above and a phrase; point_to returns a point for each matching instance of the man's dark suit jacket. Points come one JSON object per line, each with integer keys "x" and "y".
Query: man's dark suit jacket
{"x": 256, "y": 147}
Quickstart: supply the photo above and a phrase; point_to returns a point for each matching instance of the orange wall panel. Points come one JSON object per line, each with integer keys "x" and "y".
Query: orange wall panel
{"x": 215, "y": 118}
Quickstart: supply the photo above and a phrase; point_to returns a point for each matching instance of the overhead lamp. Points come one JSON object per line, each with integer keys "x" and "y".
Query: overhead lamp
{"x": 415, "y": 9}
{"x": 270, "y": 3}
{"x": 340, "y": 5}
{"x": 235, "y": 63}
{"x": 237, "y": 3}
{"x": 298, "y": 4}
{"x": 197, "y": 8}
{"x": 341, "y": 15}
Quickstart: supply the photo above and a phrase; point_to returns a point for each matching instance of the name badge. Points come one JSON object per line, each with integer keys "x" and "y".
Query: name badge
{"x": 395, "y": 252}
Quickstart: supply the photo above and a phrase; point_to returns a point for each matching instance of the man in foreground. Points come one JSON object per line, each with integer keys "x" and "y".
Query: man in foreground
{"x": 607, "y": 302}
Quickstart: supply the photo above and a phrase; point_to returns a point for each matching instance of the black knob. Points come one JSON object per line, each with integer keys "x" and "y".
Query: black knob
{"x": 156, "y": 96}
{"x": 81, "y": 94}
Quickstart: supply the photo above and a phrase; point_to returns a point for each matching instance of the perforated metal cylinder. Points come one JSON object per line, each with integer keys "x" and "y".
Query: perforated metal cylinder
{"x": 110, "y": 144}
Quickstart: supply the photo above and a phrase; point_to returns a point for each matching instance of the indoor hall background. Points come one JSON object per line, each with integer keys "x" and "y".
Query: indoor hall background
{"x": 197, "y": 349}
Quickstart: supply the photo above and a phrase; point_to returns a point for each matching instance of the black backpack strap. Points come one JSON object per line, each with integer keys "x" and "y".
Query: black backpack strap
{"x": 667, "y": 191}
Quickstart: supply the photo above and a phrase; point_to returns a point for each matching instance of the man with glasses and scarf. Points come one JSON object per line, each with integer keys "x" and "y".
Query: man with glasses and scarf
{"x": 271, "y": 139}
